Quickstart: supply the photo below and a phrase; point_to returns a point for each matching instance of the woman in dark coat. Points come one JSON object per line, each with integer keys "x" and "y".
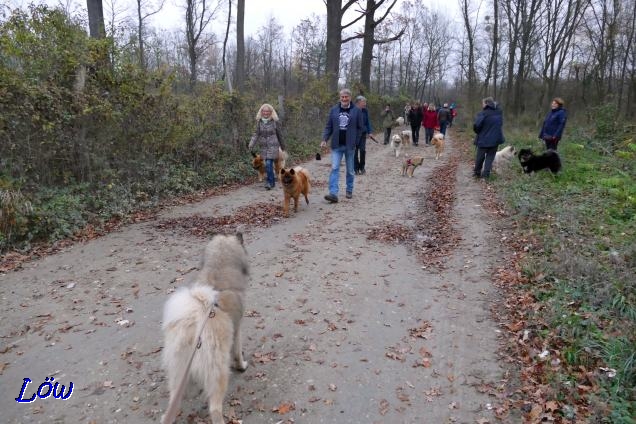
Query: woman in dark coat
{"x": 488, "y": 127}
{"x": 553, "y": 124}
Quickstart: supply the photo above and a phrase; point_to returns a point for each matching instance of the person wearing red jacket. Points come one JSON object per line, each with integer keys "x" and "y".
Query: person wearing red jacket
{"x": 429, "y": 122}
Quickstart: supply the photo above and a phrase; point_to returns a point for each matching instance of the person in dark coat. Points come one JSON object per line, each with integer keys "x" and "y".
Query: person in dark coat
{"x": 443, "y": 118}
{"x": 416, "y": 114}
{"x": 553, "y": 124}
{"x": 361, "y": 146}
{"x": 344, "y": 126}
{"x": 488, "y": 127}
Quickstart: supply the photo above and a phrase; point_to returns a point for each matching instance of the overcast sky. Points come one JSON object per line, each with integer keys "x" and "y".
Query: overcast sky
{"x": 288, "y": 13}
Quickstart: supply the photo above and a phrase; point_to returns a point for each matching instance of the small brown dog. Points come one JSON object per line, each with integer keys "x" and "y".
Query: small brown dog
{"x": 438, "y": 142}
{"x": 409, "y": 165}
{"x": 295, "y": 181}
{"x": 258, "y": 163}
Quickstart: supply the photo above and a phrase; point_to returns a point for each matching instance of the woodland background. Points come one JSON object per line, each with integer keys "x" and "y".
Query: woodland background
{"x": 96, "y": 125}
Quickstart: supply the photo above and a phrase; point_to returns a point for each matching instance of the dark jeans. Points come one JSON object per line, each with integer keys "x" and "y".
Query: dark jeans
{"x": 483, "y": 159}
{"x": 359, "y": 155}
{"x": 387, "y": 135}
{"x": 429, "y": 134}
{"x": 550, "y": 145}
{"x": 415, "y": 131}
{"x": 269, "y": 168}
{"x": 442, "y": 127}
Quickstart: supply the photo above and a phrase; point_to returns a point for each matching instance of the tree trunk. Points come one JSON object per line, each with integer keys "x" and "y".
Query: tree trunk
{"x": 96, "y": 18}
{"x": 367, "y": 46}
{"x": 140, "y": 35}
{"x": 334, "y": 42}
{"x": 240, "y": 45}
{"x": 227, "y": 34}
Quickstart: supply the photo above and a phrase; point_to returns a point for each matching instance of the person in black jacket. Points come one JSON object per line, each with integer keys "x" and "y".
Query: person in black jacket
{"x": 488, "y": 127}
{"x": 415, "y": 119}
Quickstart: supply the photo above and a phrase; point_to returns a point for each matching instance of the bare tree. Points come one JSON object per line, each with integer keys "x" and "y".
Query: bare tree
{"x": 470, "y": 71}
{"x": 491, "y": 70}
{"x": 145, "y": 9}
{"x": 368, "y": 37}
{"x": 227, "y": 34}
{"x": 198, "y": 15}
{"x": 335, "y": 12}
{"x": 240, "y": 45}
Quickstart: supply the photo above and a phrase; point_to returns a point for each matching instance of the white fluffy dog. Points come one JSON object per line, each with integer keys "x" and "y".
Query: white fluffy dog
{"x": 503, "y": 157}
{"x": 399, "y": 121}
{"x": 213, "y": 307}
{"x": 396, "y": 144}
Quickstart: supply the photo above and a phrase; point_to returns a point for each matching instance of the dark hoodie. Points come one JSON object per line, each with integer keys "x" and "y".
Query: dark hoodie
{"x": 488, "y": 126}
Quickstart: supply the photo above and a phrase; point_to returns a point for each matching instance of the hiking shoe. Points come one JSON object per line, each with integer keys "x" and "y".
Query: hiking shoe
{"x": 331, "y": 198}
{"x": 349, "y": 195}
{"x": 362, "y": 172}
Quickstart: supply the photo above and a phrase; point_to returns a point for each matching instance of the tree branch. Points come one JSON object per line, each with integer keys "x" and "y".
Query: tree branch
{"x": 388, "y": 40}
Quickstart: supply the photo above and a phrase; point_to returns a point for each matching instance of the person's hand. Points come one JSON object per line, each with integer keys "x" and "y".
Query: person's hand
{"x": 323, "y": 144}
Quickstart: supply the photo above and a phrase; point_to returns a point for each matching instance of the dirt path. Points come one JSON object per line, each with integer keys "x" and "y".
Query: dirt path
{"x": 340, "y": 328}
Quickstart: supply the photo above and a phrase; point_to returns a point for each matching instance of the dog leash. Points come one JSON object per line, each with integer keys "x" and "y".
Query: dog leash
{"x": 173, "y": 410}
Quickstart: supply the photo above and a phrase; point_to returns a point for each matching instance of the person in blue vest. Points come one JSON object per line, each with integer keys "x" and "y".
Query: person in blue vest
{"x": 553, "y": 124}
{"x": 359, "y": 158}
{"x": 344, "y": 126}
{"x": 488, "y": 126}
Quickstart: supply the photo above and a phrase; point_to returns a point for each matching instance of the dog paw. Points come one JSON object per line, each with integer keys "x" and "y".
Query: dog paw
{"x": 240, "y": 366}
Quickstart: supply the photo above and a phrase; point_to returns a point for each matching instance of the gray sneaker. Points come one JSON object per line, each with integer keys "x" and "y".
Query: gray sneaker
{"x": 349, "y": 195}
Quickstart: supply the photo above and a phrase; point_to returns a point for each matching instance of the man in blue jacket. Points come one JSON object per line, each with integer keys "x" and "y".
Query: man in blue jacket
{"x": 553, "y": 125}
{"x": 488, "y": 127}
{"x": 344, "y": 126}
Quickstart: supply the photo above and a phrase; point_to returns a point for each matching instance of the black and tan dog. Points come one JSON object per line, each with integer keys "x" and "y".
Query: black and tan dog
{"x": 532, "y": 163}
{"x": 409, "y": 165}
{"x": 258, "y": 163}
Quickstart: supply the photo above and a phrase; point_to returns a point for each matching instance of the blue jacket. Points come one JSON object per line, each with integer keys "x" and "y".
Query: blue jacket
{"x": 367, "y": 123}
{"x": 488, "y": 126}
{"x": 354, "y": 129}
{"x": 554, "y": 124}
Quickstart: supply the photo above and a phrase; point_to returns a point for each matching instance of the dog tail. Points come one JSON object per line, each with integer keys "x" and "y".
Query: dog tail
{"x": 188, "y": 303}
{"x": 304, "y": 174}
{"x": 283, "y": 157}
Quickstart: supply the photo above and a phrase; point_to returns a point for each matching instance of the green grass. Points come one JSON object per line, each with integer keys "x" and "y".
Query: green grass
{"x": 585, "y": 221}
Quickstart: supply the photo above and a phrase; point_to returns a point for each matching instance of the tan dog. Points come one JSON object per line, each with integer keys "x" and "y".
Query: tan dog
{"x": 258, "y": 163}
{"x": 409, "y": 165}
{"x": 295, "y": 181}
{"x": 438, "y": 142}
{"x": 215, "y": 303}
{"x": 406, "y": 137}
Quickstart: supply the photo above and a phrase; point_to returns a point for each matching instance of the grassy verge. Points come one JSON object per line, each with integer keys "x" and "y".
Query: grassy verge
{"x": 580, "y": 271}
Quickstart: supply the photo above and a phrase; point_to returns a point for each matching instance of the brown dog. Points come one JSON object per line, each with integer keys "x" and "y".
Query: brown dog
{"x": 438, "y": 142}
{"x": 295, "y": 181}
{"x": 258, "y": 163}
{"x": 409, "y": 165}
